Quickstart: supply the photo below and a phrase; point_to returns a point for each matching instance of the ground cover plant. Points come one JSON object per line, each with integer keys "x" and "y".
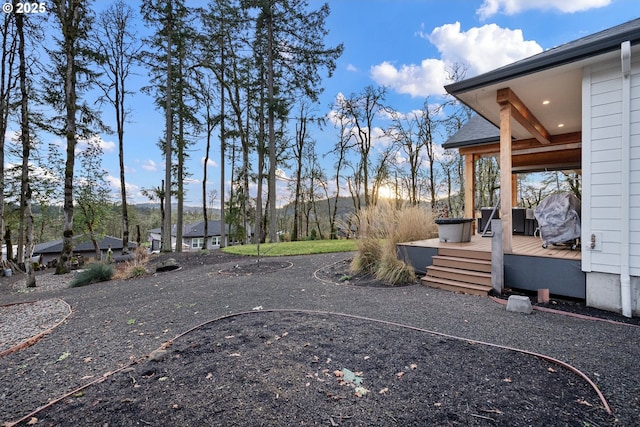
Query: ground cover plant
{"x": 94, "y": 272}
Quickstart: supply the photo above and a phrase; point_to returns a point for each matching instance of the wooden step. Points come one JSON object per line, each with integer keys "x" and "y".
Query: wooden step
{"x": 464, "y": 253}
{"x": 462, "y": 263}
{"x": 458, "y": 275}
{"x": 453, "y": 286}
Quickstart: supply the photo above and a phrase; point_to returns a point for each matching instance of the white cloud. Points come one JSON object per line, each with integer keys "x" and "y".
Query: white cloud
{"x": 106, "y": 146}
{"x": 512, "y": 7}
{"x": 482, "y": 49}
{"x": 415, "y": 80}
{"x": 352, "y": 68}
{"x": 150, "y": 166}
{"x": 282, "y": 175}
{"x": 11, "y": 137}
{"x": 114, "y": 183}
{"x": 211, "y": 162}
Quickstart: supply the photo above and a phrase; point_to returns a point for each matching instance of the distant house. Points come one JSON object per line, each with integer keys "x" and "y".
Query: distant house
{"x": 193, "y": 237}
{"x": 51, "y": 250}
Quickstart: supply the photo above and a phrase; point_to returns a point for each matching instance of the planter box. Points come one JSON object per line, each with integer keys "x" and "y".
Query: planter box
{"x": 454, "y": 230}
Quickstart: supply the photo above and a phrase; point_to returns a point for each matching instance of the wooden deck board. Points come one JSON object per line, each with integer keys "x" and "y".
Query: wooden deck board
{"x": 522, "y": 245}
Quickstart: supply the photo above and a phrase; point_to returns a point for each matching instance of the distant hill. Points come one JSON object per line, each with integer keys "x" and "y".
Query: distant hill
{"x": 174, "y": 206}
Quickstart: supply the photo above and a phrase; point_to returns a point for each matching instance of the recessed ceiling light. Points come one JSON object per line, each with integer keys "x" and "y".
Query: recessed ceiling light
{"x": 546, "y": 102}
{"x": 560, "y": 125}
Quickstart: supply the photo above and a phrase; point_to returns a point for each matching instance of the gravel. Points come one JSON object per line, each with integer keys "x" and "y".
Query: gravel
{"x": 117, "y": 322}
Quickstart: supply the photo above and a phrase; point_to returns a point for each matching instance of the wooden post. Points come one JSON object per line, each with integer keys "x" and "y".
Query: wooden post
{"x": 497, "y": 256}
{"x": 469, "y": 188}
{"x": 505, "y": 176}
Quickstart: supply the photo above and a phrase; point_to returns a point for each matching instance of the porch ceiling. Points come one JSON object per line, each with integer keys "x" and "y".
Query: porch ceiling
{"x": 553, "y": 96}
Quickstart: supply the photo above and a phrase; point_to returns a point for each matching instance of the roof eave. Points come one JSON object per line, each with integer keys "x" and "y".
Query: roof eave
{"x": 475, "y": 142}
{"x": 546, "y": 60}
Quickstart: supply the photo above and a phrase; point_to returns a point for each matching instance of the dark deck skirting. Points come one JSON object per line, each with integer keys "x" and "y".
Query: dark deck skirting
{"x": 563, "y": 277}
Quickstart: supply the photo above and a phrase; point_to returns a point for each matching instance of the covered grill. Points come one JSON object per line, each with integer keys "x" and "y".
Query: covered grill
{"x": 558, "y": 217}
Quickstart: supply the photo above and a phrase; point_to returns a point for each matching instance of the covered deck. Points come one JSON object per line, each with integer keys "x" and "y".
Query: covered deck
{"x": 527, "y": 267}
{"x": 522, "y": 245}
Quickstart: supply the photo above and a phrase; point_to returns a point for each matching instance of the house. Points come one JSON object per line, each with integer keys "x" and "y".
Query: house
{"x": 576, "y": 106}
{"x": 192, "y": 236}
{"x": 82, "y": 247}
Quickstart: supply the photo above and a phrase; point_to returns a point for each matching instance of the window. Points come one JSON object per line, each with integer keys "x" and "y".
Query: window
{"x": 197, "y": 243}
{"x": 215, "y": 241}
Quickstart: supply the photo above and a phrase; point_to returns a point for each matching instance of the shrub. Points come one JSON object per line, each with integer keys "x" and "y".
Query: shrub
{"x": 394, "y": 272}
{"x": 134, "y": 271}
{"x": 368, "y": 255}
{"x": 380, "y": 229}
{"x": 93, "y": 273}
{"x": 140, "y": 255}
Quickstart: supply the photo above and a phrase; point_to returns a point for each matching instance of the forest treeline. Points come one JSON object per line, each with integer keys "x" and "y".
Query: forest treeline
{"x": 241, "y": 75}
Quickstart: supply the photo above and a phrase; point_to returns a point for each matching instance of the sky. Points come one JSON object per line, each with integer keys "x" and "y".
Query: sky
{"x": 405, "y": 45}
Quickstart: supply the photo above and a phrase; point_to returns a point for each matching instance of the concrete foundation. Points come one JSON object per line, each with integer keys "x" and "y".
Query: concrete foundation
{"x": 603, "y": 292}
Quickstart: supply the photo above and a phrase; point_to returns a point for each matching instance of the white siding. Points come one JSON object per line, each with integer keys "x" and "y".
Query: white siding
{"x": 634, "y": 199}
{"x": 602, "y": 159}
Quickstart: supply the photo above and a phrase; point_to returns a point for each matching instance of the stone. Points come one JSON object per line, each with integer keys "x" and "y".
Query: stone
{"x": 519, "y": 304}
{"x": 169, "y": 264}
{"x": 157, "y": 355}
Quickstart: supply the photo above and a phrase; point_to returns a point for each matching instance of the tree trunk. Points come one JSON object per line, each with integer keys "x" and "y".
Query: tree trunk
{"x": 123, "y": 188}
{"x": 272, "y": 132}
{"x": 223, "y": 146}
{"x": 6, "y": 73}
{"x": 70, "y": 98}
{"x": 25, "y": 135}
{"x": 166, "y": 232}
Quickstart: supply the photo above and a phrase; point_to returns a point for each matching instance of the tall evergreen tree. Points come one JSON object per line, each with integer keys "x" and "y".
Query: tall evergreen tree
{"x": 71, "y": 58}
{"x": 7, "y": 87}
{"x": 170, "y": 63}
{"x": 25, "y": 137}
{"x": 292, "y": 38}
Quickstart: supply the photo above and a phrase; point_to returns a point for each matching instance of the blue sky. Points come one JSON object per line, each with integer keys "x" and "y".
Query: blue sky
{"x": 402, "y": 44}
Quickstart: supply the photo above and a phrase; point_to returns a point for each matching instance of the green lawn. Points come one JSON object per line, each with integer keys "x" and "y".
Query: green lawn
{"x": 306, "y": 247}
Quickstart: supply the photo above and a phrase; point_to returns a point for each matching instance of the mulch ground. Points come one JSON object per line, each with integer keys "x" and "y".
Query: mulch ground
{"x": 273, "y": 352}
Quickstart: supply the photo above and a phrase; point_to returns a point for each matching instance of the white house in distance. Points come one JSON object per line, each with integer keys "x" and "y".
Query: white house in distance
{"x": 192, "y": 236}
{"x": 576, "y": 102}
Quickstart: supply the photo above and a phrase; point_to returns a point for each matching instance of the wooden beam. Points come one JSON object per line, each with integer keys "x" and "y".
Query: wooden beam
{"x": 514, "y": 189}
{"x": 523, "y": 115}
{"x": 505, "y": 176}
{"x": 469, "y": 188}
{"x": 562, "y": 141}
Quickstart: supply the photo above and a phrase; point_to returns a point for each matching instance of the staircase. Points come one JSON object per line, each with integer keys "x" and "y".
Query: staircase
{"x": 460, "y": 270}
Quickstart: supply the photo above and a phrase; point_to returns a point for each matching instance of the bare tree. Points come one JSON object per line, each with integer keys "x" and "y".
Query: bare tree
{"x": 118, "y": 45}
{"x": 92, "y": 193}
{"x": 360, "y": 111}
